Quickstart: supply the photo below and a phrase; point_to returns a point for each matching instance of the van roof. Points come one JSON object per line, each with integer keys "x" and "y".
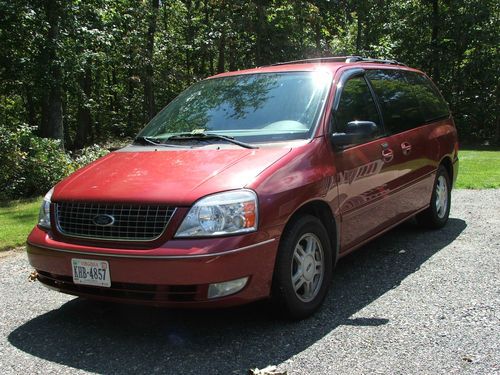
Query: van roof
{"x": 331, "y": 64}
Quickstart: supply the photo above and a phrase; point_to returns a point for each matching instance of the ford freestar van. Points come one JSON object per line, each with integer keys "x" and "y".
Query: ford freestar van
{"x": 251, "y": 185}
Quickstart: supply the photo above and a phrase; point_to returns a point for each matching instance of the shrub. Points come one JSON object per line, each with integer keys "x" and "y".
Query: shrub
{"x": 88, "y": 155}
{"x": 32, "y": 165}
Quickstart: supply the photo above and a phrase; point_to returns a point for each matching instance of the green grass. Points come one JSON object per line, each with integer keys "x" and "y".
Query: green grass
{"x": 479, "y": 169}
{"x": 17, "y": 218}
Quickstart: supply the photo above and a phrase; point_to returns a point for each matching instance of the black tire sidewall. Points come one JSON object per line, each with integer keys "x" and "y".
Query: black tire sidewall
{"x": 283, "y": 293}
{"x": 434, "y": 220}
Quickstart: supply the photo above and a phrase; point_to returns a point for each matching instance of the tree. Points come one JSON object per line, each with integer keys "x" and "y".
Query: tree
{"x": 97, "y": 71}
{"x": 52, "y": 112}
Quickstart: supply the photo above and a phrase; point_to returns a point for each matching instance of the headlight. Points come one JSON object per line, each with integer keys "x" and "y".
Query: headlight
{"x": 44, "y": 213}
{"x": 221, "y": 214}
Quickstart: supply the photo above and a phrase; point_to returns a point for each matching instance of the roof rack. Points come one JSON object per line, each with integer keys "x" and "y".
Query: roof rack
{"x": 346, "y": 59}
{"x": 371, "y": 60}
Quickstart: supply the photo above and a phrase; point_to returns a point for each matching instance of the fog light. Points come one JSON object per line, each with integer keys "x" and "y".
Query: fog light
{"x": 226, "y": 288}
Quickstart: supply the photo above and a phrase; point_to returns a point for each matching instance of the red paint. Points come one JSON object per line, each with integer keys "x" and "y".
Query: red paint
{"x": 368, "y": 188}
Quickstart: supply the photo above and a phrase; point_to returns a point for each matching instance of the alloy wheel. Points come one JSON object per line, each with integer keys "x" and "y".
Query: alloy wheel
{"x": 308, "y": 267}
{"x": 441, "y": 197}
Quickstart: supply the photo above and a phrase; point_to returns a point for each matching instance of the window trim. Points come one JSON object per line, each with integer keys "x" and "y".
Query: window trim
{"x": 339, "y": 87}
{"x": 339, "y": 90}
{"x": 377, "y": 104}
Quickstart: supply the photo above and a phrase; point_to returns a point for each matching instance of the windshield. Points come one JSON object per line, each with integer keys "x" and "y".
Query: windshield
{"x": 263, "y": 107}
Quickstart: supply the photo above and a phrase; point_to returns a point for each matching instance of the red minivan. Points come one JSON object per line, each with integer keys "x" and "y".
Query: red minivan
{"x": 251, "y": 185}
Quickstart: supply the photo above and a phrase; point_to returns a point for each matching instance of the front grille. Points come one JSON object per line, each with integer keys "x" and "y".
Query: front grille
{"x": 130, "y": 222}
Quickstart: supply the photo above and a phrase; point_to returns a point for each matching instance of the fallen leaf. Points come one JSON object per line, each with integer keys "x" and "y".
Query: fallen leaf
{"x": 269, "y": 370}
{"x": 33, "y": 276}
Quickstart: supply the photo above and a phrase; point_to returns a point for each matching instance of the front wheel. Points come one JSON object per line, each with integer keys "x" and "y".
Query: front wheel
{"x": 436, "y": 215}
{"x": 303, "y": 270}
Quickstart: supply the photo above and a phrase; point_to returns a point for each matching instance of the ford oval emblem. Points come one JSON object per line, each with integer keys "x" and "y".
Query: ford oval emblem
{"x": 104, "y": 220}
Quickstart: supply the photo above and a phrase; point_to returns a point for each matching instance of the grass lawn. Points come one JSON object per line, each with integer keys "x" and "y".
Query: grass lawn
{"x": 479, "y": 169}
{"x": 17, "y": 218}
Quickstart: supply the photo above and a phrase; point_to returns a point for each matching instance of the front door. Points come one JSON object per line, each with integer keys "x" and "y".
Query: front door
{"x": 365, "y": 172}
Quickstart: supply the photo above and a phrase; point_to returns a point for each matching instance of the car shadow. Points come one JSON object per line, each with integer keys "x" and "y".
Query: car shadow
{"x": 107, "y": 338}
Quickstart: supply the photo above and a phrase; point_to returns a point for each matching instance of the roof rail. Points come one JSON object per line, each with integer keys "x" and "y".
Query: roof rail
{"x": 346, "y": 59}
{"x": 371, "y": 60}
{"x": 314, "y": 60}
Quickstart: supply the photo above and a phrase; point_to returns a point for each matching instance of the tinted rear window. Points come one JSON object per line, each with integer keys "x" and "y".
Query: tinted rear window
{"x": 431, "y": 102}
{"x": 400, "y": 108}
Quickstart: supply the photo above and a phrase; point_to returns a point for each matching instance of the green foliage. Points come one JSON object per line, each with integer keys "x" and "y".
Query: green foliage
{"x": 32, "y": 165}
{"x": 87, "y": 155}
{"x": 118, "y": 58}
{"x": 97, "y": 70}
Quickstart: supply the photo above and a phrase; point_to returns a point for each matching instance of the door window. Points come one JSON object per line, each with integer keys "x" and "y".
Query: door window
{"x": 431, "y": 102}
{"x": 356, "y": 104}
{"x": 400, "y": 108}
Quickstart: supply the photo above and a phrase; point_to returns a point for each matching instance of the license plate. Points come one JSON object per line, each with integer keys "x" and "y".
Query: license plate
{"x": 91, "y": 272}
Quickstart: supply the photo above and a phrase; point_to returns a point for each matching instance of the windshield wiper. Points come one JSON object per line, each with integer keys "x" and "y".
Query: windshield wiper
{"x": 146, "y": 140}
{"x": 151, "y": 141}
{"x": 207, "y": 136}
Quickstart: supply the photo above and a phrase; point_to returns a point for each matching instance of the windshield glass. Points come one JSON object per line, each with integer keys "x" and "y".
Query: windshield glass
{"x": 263, "y": 107}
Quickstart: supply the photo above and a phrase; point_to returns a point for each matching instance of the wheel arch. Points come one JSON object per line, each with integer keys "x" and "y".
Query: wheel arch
{"x": 448, "y": 165}
{"x": 322, "y": 211}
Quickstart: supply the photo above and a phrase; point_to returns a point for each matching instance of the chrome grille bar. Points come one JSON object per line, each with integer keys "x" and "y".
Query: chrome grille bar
{"x": 131, "y": 222}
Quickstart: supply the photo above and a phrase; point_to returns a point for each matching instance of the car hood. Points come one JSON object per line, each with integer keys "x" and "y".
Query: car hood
{"x": 180, "y": 176}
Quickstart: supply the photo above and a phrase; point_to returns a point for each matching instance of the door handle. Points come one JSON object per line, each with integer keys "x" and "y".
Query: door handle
{"x": 406, "y": 148}
{"x": 387, "y": 155}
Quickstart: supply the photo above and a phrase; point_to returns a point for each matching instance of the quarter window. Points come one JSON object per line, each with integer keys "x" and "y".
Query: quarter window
{"x": 356, "y": 104}
{"x": 400, "y": 108}
{"x": 431, "y": 102}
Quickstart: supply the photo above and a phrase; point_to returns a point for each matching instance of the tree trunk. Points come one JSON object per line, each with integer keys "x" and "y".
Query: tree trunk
{"x": 149, "y": 99}
{"x": 189, "y": 36}
{"x": 317, "y": 34}
{"x": 260, "y": 34}
{"x": 205, "y": 50}
{"x": 435, "y": 53}
{"x": 359, "y": 30}
{"x": 84, "y": 116}
{"x": 130, "y": 91}
{"x": 232, "y": 55}
{"x": 52, "y": 113}
{"x": 497, "y": 106}
{"x": 222, "y": 56}
{"x": 30, "y": 106}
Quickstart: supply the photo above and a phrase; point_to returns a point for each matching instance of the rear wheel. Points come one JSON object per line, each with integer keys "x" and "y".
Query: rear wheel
{"x": 436, "y": 215}
{"x": 303, "y": 269}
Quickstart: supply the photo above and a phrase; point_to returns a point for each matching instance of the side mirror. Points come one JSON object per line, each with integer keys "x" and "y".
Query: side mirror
{"x": 355, "y": 132}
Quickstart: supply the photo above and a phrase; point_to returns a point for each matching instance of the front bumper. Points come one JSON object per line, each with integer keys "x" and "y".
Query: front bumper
{"x": 162, "y": 276}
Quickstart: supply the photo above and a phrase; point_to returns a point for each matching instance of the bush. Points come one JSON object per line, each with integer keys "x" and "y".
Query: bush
{"x": 32, "y": 165}
{"x": 88, "y": 155}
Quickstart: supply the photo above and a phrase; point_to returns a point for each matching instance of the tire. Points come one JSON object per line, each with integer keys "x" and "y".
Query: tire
{"x": 304, "y": 254}
{"x": 436, "y": 215}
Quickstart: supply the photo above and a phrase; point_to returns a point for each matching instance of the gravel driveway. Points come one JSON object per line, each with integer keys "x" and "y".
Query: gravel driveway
{"x": 410, "y": 302}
